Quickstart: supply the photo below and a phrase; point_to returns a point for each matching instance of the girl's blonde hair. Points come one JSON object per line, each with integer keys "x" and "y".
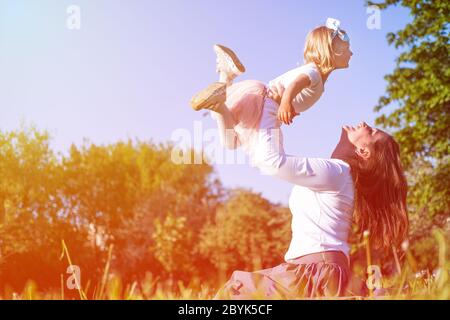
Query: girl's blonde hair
{"x": 319, "y": 48}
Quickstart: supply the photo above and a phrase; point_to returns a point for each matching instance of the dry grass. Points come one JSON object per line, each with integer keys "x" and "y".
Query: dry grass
{"x": 409, "y": 285}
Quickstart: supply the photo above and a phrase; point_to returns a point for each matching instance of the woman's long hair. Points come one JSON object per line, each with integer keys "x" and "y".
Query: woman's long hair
{"x": 380, "y": 195}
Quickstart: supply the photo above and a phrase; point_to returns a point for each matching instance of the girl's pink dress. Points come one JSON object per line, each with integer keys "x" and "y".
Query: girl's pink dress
{"x": 245, "y": 100}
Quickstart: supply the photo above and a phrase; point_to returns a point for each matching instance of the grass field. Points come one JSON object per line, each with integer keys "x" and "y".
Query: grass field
{"x": 409, "y": 284}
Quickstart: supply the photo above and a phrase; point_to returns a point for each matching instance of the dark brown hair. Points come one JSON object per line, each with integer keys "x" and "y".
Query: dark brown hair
{"x": 380, "y": 194}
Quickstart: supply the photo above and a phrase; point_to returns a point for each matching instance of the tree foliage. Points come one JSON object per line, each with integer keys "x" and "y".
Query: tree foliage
{"x": 249, "y": 233}
{"x": 419, "y": 88}
{"x": 418, "y": 93}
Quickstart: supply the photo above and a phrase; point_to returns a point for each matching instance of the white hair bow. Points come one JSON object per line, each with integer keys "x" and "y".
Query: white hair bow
{"x": 335, "y": 24}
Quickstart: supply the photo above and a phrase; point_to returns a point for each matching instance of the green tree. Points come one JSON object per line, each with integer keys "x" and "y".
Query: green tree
{"x": 419, "y": 91}
{"x": 249, "y": 233}
{"x": 420, "y": 85}
{"x": 93, "y": 197}
{"x": 31, "y": 224}
{"x": 119, "y": 190}
{"x": 174, "y": 246}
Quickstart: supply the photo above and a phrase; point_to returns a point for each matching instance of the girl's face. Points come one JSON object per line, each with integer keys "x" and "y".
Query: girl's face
{"x": 342, "y": 53}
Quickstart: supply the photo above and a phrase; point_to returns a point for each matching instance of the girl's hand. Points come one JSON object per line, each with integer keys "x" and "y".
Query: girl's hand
{"x": 286, "y": 113}
{"x": 276, "y": 93}
{"x": 275, "y": 97}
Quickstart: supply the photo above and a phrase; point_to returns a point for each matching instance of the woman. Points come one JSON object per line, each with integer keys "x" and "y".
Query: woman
{"x": 363, "y": 181}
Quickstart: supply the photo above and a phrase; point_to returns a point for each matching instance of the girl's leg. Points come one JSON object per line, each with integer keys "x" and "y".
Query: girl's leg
{"x": 228, "y": 64}
{"x": 214, "y": 97}
{"x": 225, "y": 125}
{"x": 229, "y": 67}
{"x": 224, "y": 117}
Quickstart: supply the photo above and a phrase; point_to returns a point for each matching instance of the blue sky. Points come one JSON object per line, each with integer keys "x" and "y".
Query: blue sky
{"x": 131, "y": 69}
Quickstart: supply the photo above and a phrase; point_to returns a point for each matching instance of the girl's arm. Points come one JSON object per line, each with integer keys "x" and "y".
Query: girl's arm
{"x": 286, "y": 111}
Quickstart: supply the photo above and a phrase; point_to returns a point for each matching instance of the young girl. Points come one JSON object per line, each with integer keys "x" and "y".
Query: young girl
{"x": 249, "y": 113}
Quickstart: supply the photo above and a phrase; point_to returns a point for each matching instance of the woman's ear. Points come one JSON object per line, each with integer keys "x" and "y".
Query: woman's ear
{"x": 363, "y": 152}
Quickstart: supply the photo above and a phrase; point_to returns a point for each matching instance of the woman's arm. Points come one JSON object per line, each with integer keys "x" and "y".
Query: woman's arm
{"x": 286, "y": 112}
{"x": 317, "y": 174}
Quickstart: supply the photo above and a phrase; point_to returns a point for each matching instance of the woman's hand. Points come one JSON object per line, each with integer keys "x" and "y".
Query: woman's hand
{"x": 286, "y": 113}
{"x": 276, "y": 93}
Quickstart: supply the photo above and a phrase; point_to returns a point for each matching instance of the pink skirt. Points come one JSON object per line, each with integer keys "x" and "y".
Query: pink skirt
{"x": 245, "y": 100}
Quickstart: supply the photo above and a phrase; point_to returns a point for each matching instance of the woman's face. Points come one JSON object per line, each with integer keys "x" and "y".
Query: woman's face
{"x": 342, "y": 53}
{"x": 363, "y": 136}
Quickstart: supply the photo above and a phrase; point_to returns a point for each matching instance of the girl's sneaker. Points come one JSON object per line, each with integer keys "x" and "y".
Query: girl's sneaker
{"x": 210, "y": 97}
{"x": 228, "y": 62}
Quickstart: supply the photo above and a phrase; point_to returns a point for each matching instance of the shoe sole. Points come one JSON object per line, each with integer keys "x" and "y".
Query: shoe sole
{"x": 219, "y": 49}
{"x": 213, "y": 94}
